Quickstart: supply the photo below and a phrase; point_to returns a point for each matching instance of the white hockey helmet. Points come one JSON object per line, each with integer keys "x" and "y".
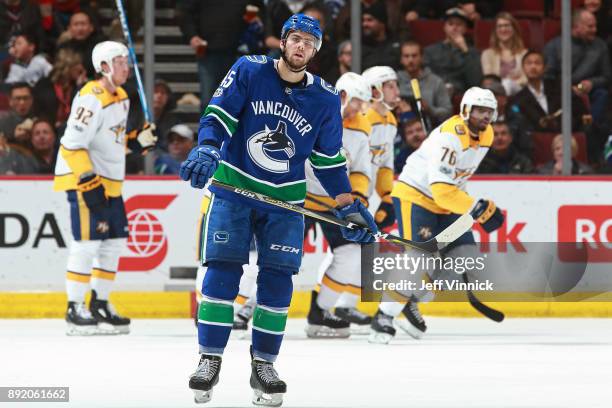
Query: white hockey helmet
{"x": 106, "y": 51}
{"x": 377, "y": 76}
{"x": 476, "y": 96}
{"x": 355, "y": 86}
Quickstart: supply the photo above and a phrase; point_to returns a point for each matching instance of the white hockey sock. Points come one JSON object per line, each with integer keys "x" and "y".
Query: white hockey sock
{"x": 105, "y": 266}
{"x": 348, "y": 300}
{"x": 78, "y": 276}
{"x": 391, "y": 308}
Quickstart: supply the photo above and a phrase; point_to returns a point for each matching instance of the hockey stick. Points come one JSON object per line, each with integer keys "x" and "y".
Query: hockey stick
{"x": 485, "y": 310}
{"x": 128, "y": 37}
{"x": 416, "y": 91}
{"x": 454, "y": 231}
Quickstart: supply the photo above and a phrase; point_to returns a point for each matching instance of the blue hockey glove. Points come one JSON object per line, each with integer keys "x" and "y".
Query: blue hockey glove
{"x": 358, "y": 214}
{"x": 488, "y": 215}
{"x": 93, "y": 193}
{"x": 200, "y": 165}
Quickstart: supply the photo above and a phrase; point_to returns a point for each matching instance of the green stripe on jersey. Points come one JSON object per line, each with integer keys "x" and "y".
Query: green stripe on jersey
{"x": 319, "y": 161}
{"x": 230, "y": 123}
{"x": 216, "y": 312}
{"x": 292, "y": 193}
{"x": 269, "y": 321}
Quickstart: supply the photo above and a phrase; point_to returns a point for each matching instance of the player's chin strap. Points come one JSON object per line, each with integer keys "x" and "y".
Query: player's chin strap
{"x": 381, "y": 99}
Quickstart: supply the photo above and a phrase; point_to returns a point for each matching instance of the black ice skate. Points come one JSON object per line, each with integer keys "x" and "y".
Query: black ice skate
{"x": 360, "y": 322}
{"x": 267, "y": 387}
{"x": 241, "y": 319}
{"x": 205, "y": 377}
{"x": 414, "y": 324}
{"x": 80, "y": 321}
{"x": 323, "y": 323}
{"x": 109, "y": 322}
{"x": 382, "y": 330}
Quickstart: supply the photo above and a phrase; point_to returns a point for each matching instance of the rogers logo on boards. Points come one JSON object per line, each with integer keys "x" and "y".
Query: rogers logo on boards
{"x": 586, "y": 224}
{"x": 146, "y": 240}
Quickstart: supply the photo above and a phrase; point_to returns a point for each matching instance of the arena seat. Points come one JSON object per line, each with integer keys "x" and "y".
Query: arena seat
{"x": 524, "y": 8}
{"x": 542, "y": 152}
{"x": 427, "y": 32}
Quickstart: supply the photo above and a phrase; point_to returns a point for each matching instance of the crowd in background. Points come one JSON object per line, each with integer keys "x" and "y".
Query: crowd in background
{"x": 45, "y": 56}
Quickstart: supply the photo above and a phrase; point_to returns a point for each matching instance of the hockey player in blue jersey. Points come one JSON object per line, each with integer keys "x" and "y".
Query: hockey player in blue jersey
{"x": 264, "y": 121}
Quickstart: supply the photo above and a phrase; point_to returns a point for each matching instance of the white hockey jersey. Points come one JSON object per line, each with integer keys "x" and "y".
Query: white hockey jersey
{"x": 384, "y": 130}
{"x": 356, "y": 148}
{"x": 95, "y": 139}
{"x": 435, "y": 175}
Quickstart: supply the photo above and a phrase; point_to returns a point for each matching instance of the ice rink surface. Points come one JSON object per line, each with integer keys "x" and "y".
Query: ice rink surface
{"x": 535, "y": 363}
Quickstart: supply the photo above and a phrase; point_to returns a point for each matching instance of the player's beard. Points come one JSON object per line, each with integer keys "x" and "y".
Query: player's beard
{"x": 292, "y": 67}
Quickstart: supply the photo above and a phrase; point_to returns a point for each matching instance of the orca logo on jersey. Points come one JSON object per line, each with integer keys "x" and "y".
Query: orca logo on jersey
{"x": 272, "y": 149}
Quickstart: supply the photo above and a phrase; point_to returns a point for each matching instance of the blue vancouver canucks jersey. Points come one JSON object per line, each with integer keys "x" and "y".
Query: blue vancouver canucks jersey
{"x": 267, "y": 130}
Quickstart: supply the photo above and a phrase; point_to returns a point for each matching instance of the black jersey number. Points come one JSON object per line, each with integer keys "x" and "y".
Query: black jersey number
{"x": 83, "y": 115}
{"x": 449, "y": 156}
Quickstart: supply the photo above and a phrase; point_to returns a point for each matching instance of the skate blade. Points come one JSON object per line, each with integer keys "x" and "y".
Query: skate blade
{"x": 106, "y": 329}
{"x": 409, "y": 329}
{"x": 202, "y": 397}
{"x": 267, "y": 400}
{"x": 74, "y": 330}
{"x": 314, "y": 331}
{"x": 379, "y": 338}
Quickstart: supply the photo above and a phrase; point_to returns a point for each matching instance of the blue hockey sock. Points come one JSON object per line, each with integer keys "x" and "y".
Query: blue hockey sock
{"x": 274, "y": 290}
{"x": 216, "y": 311}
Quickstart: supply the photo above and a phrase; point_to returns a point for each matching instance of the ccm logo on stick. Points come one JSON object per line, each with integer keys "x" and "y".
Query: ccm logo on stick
{"x": 284, "y": 248}
{"x": 586, "y": 224}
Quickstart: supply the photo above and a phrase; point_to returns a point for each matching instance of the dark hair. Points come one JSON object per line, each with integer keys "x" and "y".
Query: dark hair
{"x": 19, "y": 85}
{"x": 412, "y": 43}
{"x": 29, "y": 37}
{"x": 493, "y": 77}
{"x": 503, "y": 123}
{"x": 44, "y": 120}
{"x": 531, "y": 52}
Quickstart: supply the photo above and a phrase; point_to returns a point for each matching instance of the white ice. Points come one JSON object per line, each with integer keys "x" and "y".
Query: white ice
{"x": 536, "y": 363}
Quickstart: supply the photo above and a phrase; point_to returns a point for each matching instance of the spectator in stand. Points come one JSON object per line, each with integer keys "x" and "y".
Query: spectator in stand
{"x": 510, "y": 115}
{"x": 180, "y": 142}
{"x": 555, "y": 166}
{"x": 18, "y": 16}
{"x": 213, "y": 30}
{"x": 603, "y": 15}
{"x": 44, "y": 146}
{"x": 53, "y": 94}
{"x": 456, "y": 62}
{"x": 13, "y": 161}
{"x": 436, "y": 104}
{"x": 434, "y": 9}
{"x": 505, "y": 52}
{"x": 20, "y": 103}
{"x": 378, "y": 47}
{"x": 81, "y": 37}
{"x": 539, "y": 102}
{"x": 504, "y": 158}
{"x": 412, "y": 136}
{"x": 163, "y": 106}
{"x": 343, "y": 64}
{"x": 591, "y": 72}
{"x": 28, "y": 66}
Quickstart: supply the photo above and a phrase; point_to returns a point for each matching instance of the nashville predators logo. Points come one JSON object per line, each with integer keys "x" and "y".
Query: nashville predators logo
{"x": 102, "y": 227}
{"x": 425, "y": 232}
{"x": 119, "y": 131}
{"x": 272, "y": 149}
